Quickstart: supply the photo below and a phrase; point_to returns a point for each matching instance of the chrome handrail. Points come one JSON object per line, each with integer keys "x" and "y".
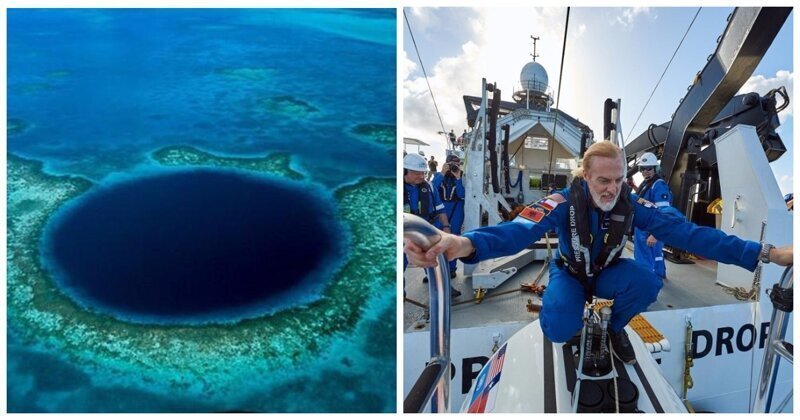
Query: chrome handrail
{"x": 769, "y": 366}
{"x": 423, "y": 234}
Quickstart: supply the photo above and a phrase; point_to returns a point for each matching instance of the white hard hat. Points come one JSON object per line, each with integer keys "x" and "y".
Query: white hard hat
{"x": 415, "y": 162}
{"x": 648, "y": 159}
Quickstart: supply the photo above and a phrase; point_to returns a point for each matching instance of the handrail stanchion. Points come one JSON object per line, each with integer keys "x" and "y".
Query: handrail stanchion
{"x": 422, "y": 233}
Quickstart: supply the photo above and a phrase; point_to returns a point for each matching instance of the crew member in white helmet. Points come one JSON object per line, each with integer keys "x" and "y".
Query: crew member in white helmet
{"x": 420, "y": 199}
{"x": 648, "y": 250}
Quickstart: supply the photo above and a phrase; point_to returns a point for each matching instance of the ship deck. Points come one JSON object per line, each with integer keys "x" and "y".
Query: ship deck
{"x": 687, "y": 286}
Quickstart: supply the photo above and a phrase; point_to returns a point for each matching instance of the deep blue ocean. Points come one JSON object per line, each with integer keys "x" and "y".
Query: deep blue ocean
{"x": 192, "y": 246}
{"x": 94, "y": 92}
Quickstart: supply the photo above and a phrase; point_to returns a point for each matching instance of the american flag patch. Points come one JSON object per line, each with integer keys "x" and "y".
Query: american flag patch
{"x": 546, "y": 204}
{"x": 483, "y": 396}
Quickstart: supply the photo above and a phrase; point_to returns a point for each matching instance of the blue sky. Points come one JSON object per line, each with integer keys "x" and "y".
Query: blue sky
{"x": 610, "y": 52}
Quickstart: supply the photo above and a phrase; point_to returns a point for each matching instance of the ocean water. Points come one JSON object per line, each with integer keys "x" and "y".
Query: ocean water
{"x": 102, "y": 88}
{"x": 93, "y": 93}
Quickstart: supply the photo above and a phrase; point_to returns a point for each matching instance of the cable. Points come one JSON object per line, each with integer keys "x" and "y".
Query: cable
{"x": 614, "y": 370}
{"x": 665, "y": 72}
{"x": 423, "y": 72}
{"x": 558, "y": 95}
{"x": 784, "y": 402}
{"x": 515, "y": 151}
{"x": 650, "y": 135}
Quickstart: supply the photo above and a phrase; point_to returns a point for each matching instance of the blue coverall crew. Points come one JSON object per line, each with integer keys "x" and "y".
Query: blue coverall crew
{"x": 648, "y": 250}
{"x": 450, "y": 187}
{"x": 421, "y": 199}
{"x": 592, "y": 218}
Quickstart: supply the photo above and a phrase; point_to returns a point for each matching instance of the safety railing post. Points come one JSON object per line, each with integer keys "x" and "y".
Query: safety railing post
{"x": 422, "y": 233}
{"x": 782, "y": 307}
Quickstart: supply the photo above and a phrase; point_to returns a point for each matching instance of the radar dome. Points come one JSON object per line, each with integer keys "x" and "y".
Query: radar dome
{"x": 534, "y": 77}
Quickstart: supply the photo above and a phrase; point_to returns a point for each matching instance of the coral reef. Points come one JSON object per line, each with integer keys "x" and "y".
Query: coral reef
{"x": 214, "y": 362}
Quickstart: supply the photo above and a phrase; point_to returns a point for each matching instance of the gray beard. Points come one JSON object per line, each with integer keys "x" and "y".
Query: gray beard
{"x": 604, "y": 207}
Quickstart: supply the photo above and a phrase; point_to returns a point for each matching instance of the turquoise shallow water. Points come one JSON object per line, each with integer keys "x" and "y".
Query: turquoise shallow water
{"x": 355, "y": 374}
{"x": 102, "y": 88}
{"x": 94, "y": 93}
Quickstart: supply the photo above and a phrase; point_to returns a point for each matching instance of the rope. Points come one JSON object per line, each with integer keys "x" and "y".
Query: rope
{"x": 519, "y": 181}
{"x": 665, "y": 72}
{"x": 494, "y": 295}
{"x": 740, "y": 293}
{"x": 614, "y": 370}
{"x": 558, "y": 95}
{"x": 415, "y": 303}
{"x": 753, "y": 296}
{"x": 756, "y": 289}
{"x": 424, "y": 72}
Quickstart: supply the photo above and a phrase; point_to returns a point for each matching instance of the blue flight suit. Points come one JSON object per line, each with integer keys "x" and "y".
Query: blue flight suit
{"x": 453, "y": 199}
{"x": 632, "y": 286}
{"x": 412, "y": 203}
{"x": 652, "y": 256}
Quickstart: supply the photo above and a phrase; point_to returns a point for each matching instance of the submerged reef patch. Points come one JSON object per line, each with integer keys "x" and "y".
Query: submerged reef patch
{"x": 378, "y": 133}
{"x": 30, "y": 88}
{"x": 16, "y": 126}
{"x": 211, "y": 363}
{"x": 59, "y": 74}
{"x": 277, "y": 164}
{"x": 288, "y": 105}
{"x": 247, "y": 74}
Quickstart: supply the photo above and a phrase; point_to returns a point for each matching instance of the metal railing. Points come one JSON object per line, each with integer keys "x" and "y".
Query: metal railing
{"x": 781, "y": 296}
{"x": 434, "y": 382}
{"x": 536, "y": 86}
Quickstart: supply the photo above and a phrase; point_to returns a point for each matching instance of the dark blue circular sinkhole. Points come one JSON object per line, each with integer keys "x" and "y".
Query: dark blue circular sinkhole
{"x": 196, "y": 246}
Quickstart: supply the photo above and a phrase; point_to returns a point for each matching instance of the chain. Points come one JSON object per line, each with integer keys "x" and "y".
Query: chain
{"x": 741, "y": 293}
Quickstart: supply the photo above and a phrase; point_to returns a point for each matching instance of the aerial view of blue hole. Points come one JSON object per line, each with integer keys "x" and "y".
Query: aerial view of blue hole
{"x": 201, "y": 210}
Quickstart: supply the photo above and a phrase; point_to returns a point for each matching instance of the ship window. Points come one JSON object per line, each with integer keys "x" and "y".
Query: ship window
{"x": 538, "y": 143}
{"x": 568, "y": 164}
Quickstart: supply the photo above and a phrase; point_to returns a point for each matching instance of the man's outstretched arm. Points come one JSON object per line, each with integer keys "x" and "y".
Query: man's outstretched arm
{"x": 493, "y": 241}
{"x": 705, "y": 241}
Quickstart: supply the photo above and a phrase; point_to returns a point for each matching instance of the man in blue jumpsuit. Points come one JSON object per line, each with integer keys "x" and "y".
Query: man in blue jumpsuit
{"x": 420, "y": 199}
{"x": 648, "y": 250}
{"x": 450, "y": 187}
{"x": 593, "y": 217}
